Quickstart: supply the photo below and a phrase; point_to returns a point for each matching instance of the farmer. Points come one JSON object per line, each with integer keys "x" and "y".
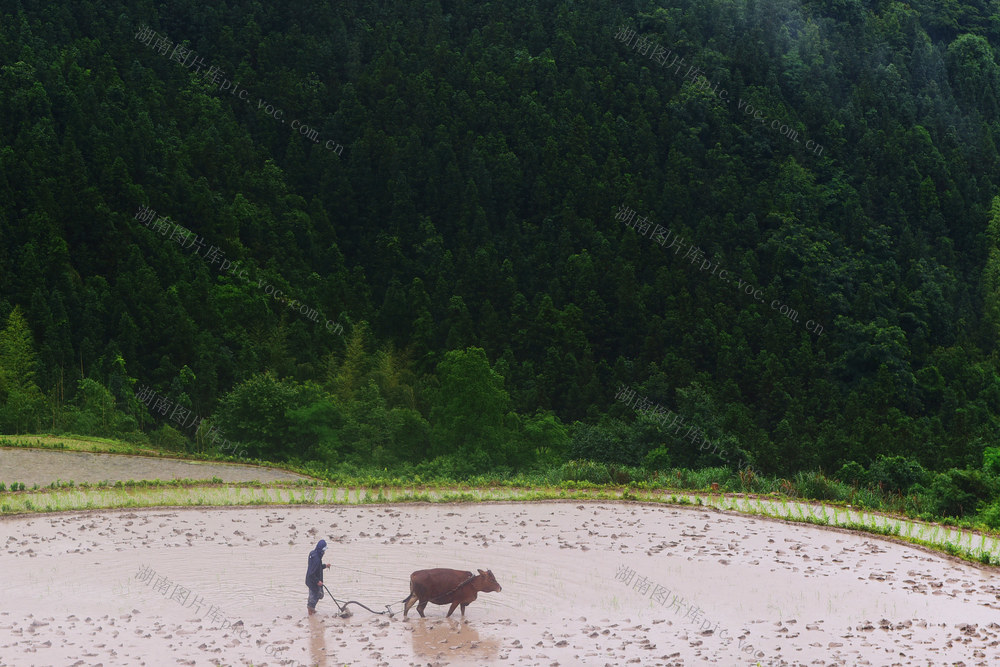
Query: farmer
{"x": 314, "y": 576}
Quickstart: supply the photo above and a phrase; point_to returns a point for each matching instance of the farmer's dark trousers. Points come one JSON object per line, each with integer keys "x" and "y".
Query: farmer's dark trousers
{"x": 315, "y": 595}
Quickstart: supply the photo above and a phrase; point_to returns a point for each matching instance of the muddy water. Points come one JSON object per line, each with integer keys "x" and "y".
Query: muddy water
{"x": 67, "y": 499}
{"x": 840, "y": 516}
{"x": 35, "y": 466}
{"x": 790, "y": 594}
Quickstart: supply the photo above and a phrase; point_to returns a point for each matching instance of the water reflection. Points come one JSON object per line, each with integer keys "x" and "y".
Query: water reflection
{"x": 317, "y": 641}
{"x": 455, "y": 641}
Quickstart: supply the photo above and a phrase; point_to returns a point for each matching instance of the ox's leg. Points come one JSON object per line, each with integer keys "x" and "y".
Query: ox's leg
{"x": 420, "y": 608}
{"x": 453, "y": 605}
{"x": 409, "y": 602}
{"x": 463, "y": 608}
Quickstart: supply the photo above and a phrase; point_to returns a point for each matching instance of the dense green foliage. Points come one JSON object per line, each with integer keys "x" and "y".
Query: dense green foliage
{"x": 466, "y": 235}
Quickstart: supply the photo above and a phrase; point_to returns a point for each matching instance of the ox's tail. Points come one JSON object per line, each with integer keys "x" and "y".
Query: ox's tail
{"x": 410, "y": 600}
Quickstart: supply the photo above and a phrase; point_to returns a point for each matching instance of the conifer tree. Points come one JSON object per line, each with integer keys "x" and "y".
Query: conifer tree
{"x": 21, "y": 400}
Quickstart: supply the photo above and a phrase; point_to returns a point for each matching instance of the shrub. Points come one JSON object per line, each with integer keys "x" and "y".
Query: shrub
{"x": 990, "y": 515}
{"x": 585, "y": 471}
{"x": 703, "y": 478}
{"x": 613, "y": 442}
{"x": 446, "y": 468}
{"x": 624, "y": 474}
{"x": 852, "y": 472}
{"x": 657, "y": 459}
{"x": 72, "y": 420}
{"x": 991, "y": 461}
{"x": 124, "y": 425}
{"x": 168, "y": 438}
{"x": 915, "y": 502}
{"x": 958, "y": 492}
{"x": 134, "y": 438}
{"x": 896, "y": 474}
{"x": 864, "y": 498}
{"x": 818, "y": 486}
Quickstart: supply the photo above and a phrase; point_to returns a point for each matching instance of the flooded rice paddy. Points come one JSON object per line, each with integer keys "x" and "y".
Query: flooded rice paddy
{"x": 584, "y": 583}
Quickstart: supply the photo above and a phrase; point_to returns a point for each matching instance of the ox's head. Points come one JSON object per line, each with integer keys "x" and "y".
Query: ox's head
{"x": 488, "y": 582}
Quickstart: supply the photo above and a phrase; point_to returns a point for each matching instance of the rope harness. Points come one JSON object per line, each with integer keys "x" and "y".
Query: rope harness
{"x": 444, "y": 595}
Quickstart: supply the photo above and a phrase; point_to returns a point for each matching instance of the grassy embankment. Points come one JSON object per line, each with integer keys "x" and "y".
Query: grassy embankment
{"x": 972, "y": 544}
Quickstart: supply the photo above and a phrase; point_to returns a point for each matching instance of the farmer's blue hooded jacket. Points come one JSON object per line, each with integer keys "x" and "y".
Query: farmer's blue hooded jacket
{"x": 314, "y": 574}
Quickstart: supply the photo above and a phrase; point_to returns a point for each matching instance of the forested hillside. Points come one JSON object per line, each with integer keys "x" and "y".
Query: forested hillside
{"x": 502, "y": 219}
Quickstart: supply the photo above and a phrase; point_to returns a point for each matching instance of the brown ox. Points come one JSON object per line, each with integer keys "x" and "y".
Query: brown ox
{"x": 443, "y": 586}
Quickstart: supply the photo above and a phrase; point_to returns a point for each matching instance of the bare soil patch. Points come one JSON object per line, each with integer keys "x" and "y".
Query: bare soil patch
{"x": 42, "y": 467}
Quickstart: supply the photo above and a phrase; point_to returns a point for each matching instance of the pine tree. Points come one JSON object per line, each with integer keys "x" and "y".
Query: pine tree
{"x": 21, "y": 401}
